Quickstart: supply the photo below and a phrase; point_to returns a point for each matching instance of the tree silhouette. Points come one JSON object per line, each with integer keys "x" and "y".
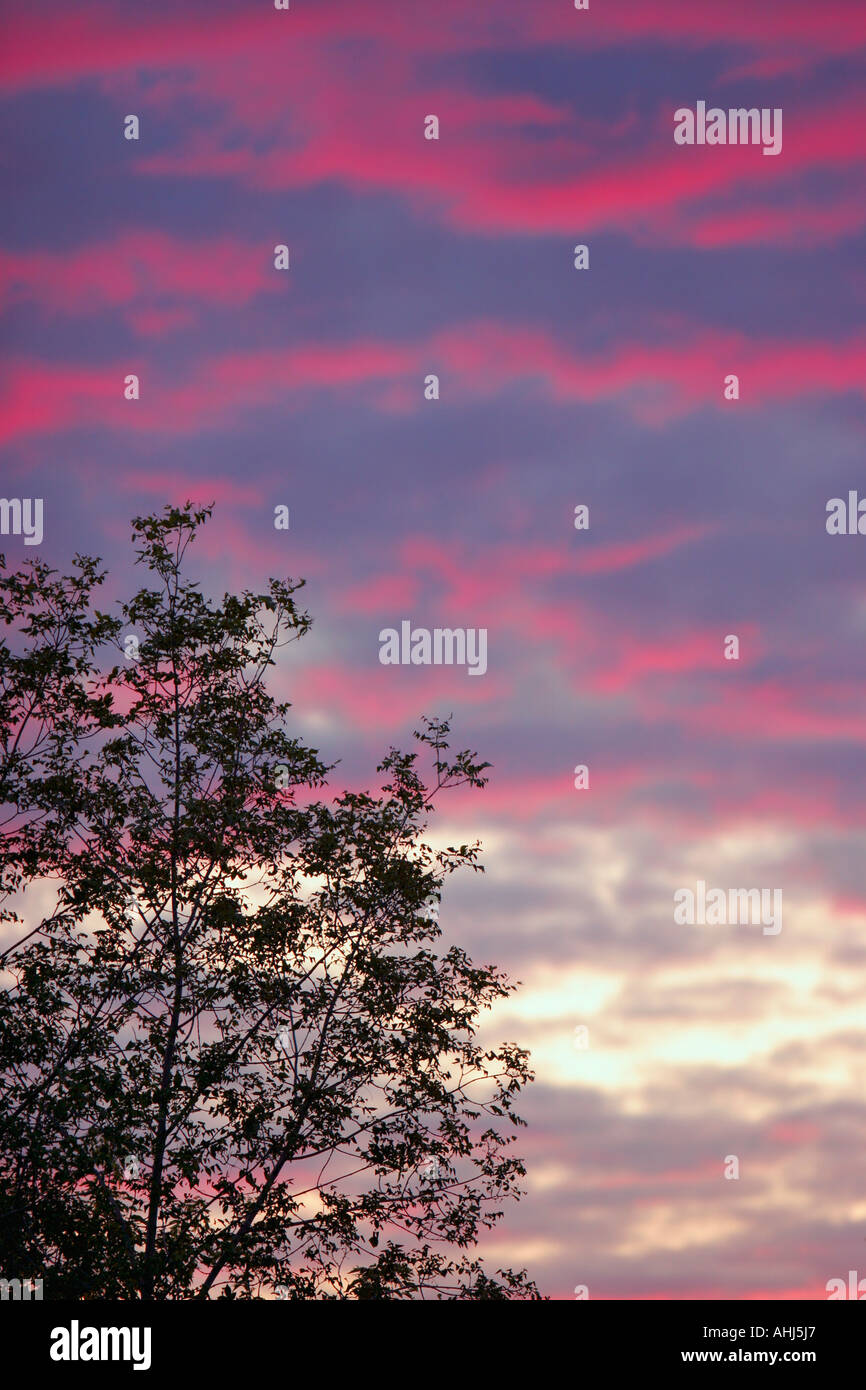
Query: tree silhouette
{"x": 233, "y": 1062}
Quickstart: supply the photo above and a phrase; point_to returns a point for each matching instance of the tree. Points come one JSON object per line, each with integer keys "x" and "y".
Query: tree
{"x": 233, "y": 1061}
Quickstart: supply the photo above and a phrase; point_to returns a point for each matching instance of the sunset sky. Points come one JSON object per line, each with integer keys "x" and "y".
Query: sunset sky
{"x": 559, "y": 387}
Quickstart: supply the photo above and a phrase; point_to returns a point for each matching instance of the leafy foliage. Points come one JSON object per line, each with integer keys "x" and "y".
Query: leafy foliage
{"x": 233, "y": 1059}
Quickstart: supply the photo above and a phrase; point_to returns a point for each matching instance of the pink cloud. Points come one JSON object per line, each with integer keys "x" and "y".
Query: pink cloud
{"x": 94, "y": 39}
{"x": 498, "y": 178}
{"x": 636, "y": 660}
{"x": 793, "y": 1132}
{"x": 603, "y": 559}
{"x": 494, "y": 176}
{"x": 381, "y": 594}
{"x": 176, "y": 485}
{"x": 375, "y": 697}
{"x": 848, "y": 905}
{"x": 771, "y": 710}
{"x": 657, "y": 383}
{"x": 37, "y": 397}
{"x": 793, "y": 225}
{"x": 135, "y": 269}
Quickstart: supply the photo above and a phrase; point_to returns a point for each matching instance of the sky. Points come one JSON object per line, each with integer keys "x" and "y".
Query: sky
{"x": 601, "y": 387}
